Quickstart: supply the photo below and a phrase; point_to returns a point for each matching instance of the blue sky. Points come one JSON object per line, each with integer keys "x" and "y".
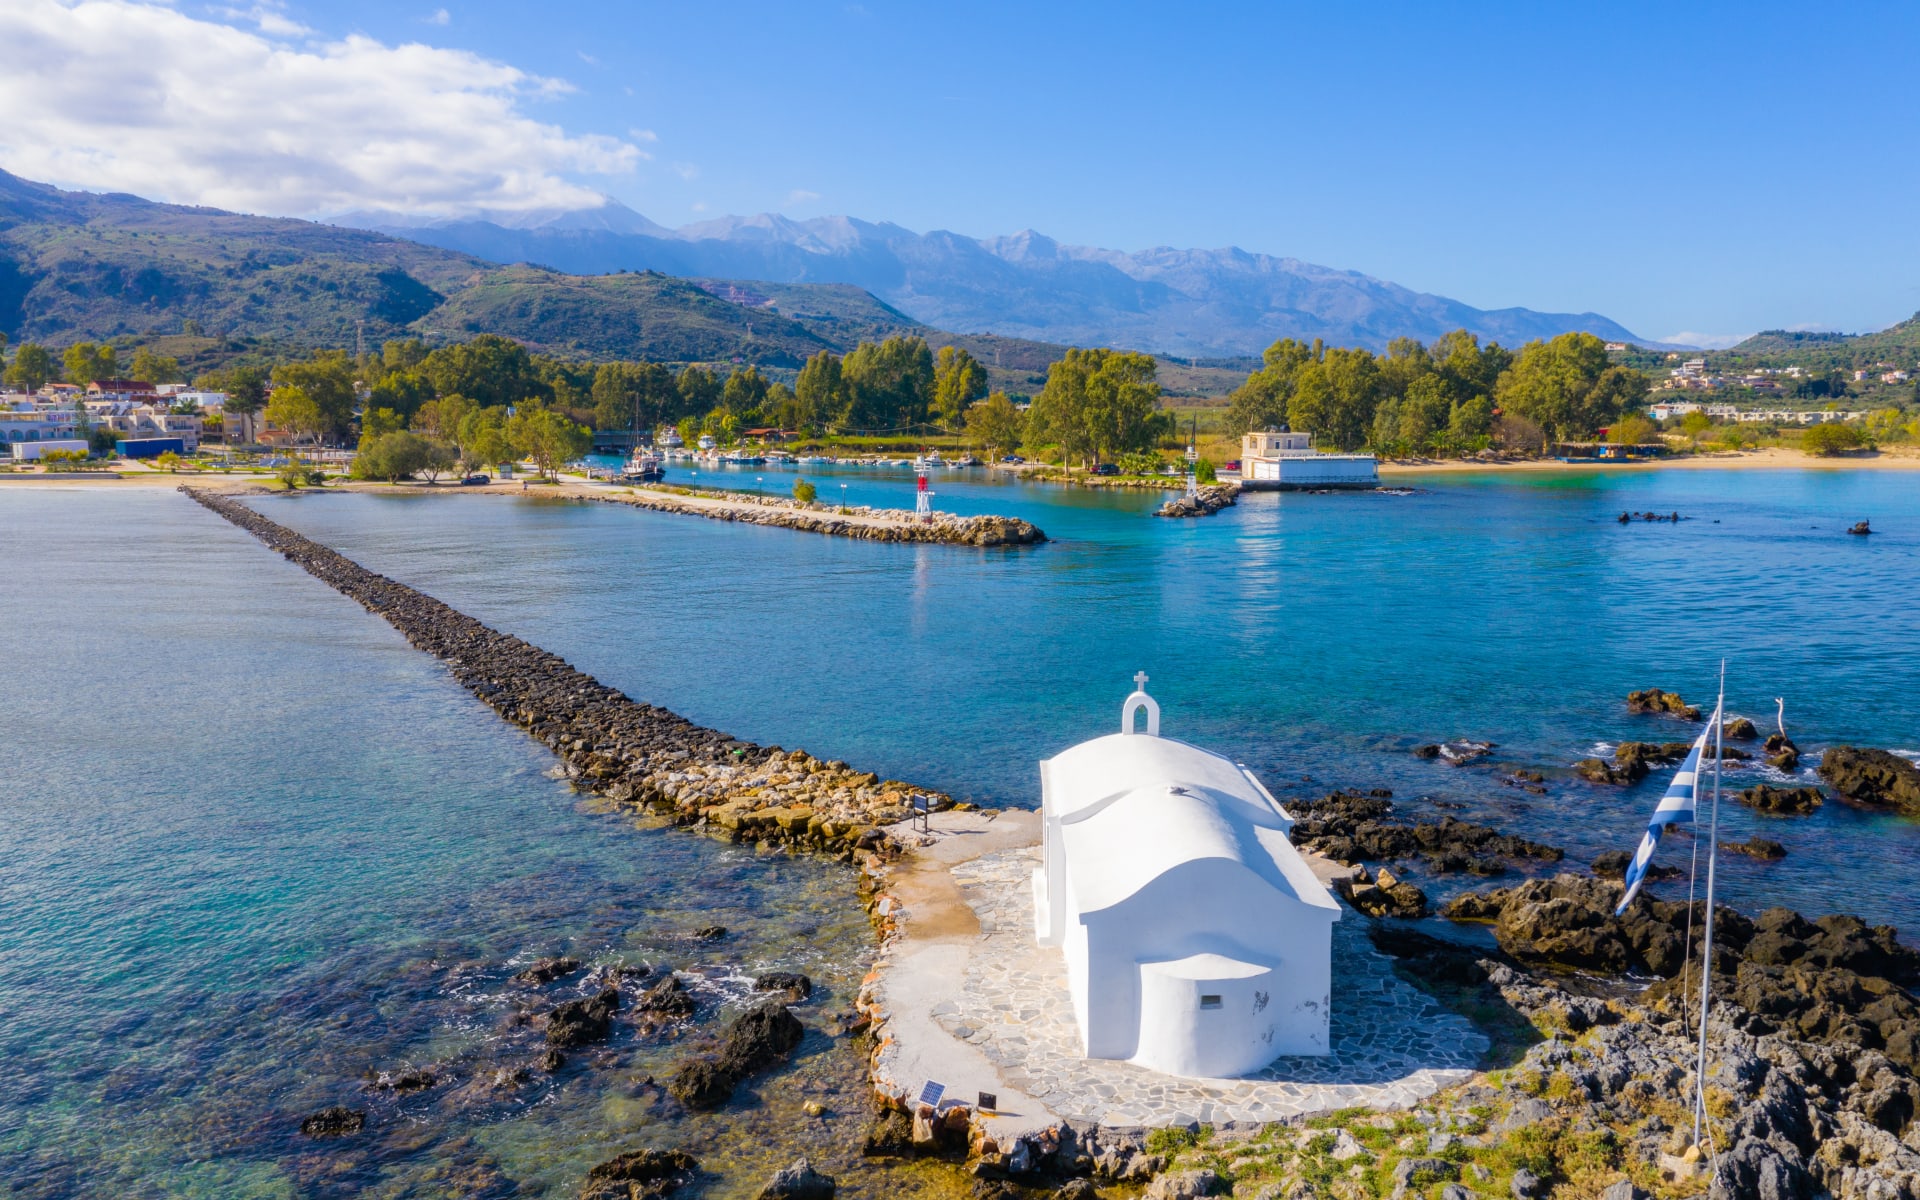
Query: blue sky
{"x": 1714, "y": 170}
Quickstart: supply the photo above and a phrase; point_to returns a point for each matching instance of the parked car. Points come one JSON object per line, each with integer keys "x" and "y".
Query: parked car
{"x": 1013, "y": 458}
{"x": 476, "y": 481}
{"x": 1232, "y": 465}
{"x": 1106, "y": 469}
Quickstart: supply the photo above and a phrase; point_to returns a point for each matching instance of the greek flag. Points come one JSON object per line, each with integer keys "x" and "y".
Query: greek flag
{"x": 1675, "y": 806}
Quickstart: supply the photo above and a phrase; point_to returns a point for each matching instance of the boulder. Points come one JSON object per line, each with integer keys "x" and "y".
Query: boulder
{"x": 546, "y": 970}
{"x": 797, "y": 986}
{"x": 1790, "y": 801}
{"x": 1527, "y": 1185}
{"x": 1598, "y": 770}
{"x": 668, "y": 998}
{"x": 755, "y": 1040}
{"x": 1872, "y": 777}
{"x": 1384, "y": 897}
{"x": 1653, "y": 700}
{"x": 1781, "y": 752}
{"x": 577, "y": 1022}
{"x": 337, "y": 1121}
{"x": 798, "y": 1182}
{"x": 640, "y": 1175}
{"x": 1739, "y": 729}
{"x": 1860, "y": 529}
{"x": 1187, "y": 1185}
{"x": 709, "y": 933}
{"x": 1764, "y": 849}
{"x": 1612, "y": 865}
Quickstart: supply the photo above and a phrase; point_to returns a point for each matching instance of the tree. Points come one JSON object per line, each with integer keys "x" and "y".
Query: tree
{"x": 483, "y": 439}
{"x": 1695, "y": 423}
{"x": 1262, "y": 400}
{"x": 294, "y": 411}
{"x": 626, "y": 393}
{"x": 744, "y": 393}
{"x": 1096, "y": 403}
{"x": 958, "y": 380}
{"x": 442, "y": 418}
{"x": 820, "y": 392}
{"x": 390, "y": 456}
{"x": 244, "y": 387}
{"x": 1334, "y": 398}
{"x": 327, "y": 380}
{"x": 168, "y": 461}
{"x": 32, "y": 368}
{"x": 403, "y": 355}
{"x": 377, "y": 421}
{"x": 1567, "y": 387}
{"x": 804, "y": 492}
{"x": 1633, "y": 430}
{"x": 888, "y": 384}
{"x": 149, "y": 367}
{"x": 403, "y": 391}
{"x": 87, "y": 363}
{"x": 547, "y": 437}
{"x": 699, "y": 390}
{"x": 995, "y": 423}
{"x": 488, "y": 370}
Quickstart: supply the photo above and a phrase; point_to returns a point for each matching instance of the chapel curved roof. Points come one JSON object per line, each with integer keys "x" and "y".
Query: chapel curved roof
{"x": 1133, "y": 807}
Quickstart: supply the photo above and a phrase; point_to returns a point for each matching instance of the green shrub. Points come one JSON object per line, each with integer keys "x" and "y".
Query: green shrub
{"x": 804, "y": 491}
{"x": 1173, "y": 1141}
{"x": 1831, "y": 439}
{"x": 1205, "y": 472}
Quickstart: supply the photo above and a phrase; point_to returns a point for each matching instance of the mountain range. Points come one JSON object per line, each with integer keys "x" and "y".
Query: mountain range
{"x": 1194, "y": 303}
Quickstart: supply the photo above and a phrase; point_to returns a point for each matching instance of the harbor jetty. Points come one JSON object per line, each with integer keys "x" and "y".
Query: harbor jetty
{"x": 612, "y": 745}
{"x": 863, "y": 523}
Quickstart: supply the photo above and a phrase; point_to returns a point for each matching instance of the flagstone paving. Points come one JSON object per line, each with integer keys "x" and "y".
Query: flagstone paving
{"x": 1392, "y": 1045}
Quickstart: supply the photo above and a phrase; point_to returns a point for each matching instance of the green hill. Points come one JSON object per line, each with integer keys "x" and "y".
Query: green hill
{"x": 207, "y": 286}
{"x": 1897, "y": 344}
{"x": 76, "y": 266}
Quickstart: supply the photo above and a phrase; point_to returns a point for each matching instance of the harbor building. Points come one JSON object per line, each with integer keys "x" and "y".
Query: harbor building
{"x": 1278, "y": 459}
{"x": 1197, "y": 940}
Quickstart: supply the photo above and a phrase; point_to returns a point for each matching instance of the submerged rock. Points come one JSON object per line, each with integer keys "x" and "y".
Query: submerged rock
{"x": 1458, "y": 752}
{"x": 578, "y": 1022}
{"x": 1764, "y": 849}
{"x": 796, "y": 986}
{"x": 1350, "y": 828}
{"x": 1654, "y": 700}
{"x": 546, "y": 970}
{"x": 1795, "y": 801}
{"x": 406, "y": 1079}
{"x": 798, "y": 1182}
{"x": 640, "y": 1175}
{"x": 668, "y": 998}
{"x": 338, "y": 1121}
{"x": 1871, "y": 777}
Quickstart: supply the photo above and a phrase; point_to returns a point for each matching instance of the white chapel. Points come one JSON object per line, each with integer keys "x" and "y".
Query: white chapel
{"x": 1198, "y": 942}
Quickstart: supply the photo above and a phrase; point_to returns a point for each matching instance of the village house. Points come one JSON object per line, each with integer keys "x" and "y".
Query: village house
{"x": 1197, "y": 940}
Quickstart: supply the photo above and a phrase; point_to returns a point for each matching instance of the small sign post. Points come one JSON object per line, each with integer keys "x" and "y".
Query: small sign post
{"x": 923, "y": 808}
{"x": 988, "y": 1102}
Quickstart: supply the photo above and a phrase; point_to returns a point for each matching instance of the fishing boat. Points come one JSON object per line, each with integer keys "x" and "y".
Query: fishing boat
{"x": 645, "y": 466}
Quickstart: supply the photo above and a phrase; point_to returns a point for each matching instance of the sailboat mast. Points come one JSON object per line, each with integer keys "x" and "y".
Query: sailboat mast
{"x": 1706, "y": 951}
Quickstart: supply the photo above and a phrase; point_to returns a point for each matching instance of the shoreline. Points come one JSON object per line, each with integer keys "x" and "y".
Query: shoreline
{"x": 1767, "y": 458}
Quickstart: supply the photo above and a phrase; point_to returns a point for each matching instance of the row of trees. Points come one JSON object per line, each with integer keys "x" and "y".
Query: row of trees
{"x": 453, "y": 430}
{"x": 1441, "y": 398}
{"x": 34, "y": 366}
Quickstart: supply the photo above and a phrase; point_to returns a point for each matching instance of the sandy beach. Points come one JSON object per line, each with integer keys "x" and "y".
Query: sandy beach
{"x": 1771, "y": 458}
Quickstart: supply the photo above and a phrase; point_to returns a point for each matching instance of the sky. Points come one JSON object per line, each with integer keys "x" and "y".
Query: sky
{"x": 1695, "y": 172}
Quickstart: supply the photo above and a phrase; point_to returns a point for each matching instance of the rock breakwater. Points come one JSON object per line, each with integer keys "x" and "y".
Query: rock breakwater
{"x": 1204, "y": 503}
{"x": 865, "y": 524}
{"x": 612, "y": 745}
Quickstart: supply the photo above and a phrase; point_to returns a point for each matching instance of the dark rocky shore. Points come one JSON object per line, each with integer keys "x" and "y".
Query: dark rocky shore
{"x": 1208, "y": 501}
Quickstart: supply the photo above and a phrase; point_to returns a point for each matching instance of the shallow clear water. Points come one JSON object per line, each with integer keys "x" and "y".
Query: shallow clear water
{"x": 255, "y": 846}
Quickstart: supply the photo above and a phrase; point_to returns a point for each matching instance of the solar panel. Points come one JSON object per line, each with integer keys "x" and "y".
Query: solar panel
{"x": 930, "y": 1094}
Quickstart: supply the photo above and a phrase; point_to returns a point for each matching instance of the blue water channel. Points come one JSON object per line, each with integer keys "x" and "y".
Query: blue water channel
{"x": 256, "y": 847}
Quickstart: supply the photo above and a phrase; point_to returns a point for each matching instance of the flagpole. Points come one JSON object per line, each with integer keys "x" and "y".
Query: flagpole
{"x": 1706, "y": 952}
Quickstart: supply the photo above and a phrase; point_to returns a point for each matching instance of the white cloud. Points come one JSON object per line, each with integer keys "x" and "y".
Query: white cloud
{"x": 800, "y": 196}
{"x": 642, "y": 135}
{"x": 686, "y": 171}
{"x": 137, "y": 97}
{"x": 588, "y": 59}
{"x": 440, "y": 17}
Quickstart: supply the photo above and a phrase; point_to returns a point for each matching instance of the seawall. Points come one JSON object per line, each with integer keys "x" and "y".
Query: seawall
{"x": 866, "y": 524}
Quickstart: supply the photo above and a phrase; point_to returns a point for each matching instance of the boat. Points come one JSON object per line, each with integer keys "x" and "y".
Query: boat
{"x": 644, "y": 466}
{"x": 967, "y": 461}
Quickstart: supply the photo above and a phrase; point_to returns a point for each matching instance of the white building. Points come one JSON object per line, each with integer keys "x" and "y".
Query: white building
{"x": 1197, "y": 940}
{"x": 1277, "y": 459}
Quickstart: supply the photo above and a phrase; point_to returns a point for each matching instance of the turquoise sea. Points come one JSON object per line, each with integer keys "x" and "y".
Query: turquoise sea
{"x": 256, "y": 847}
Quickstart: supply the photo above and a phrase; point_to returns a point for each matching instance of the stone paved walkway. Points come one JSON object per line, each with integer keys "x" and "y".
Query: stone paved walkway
{"x": 1392, "y": 1044}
